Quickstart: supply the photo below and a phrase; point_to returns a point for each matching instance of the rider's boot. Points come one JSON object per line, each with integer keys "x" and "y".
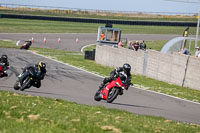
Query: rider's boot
{"x": 5, "y": 74}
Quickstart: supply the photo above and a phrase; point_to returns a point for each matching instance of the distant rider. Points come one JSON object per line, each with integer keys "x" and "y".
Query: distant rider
{"x": 124, "y": 71}
{"x": 39, "y": 70}
{"x": 26, "y": 45}
{"x": 5, "y": 63}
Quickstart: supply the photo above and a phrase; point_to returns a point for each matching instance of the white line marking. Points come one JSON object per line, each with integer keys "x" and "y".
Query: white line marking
{"x": 169, "y": 96}
{"x": 66, "y": 64}
{"x": 103, "y": 77}
{"x": 86, "y": 46}
{"x": 6, "y": 40}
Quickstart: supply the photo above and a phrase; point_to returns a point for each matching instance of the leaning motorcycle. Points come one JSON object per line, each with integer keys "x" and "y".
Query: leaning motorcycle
{"x": 111, "y": 90}
{"x": 27, "y": 81}
{"x": 26, "y": 45}
{"x": 1, "y": 70}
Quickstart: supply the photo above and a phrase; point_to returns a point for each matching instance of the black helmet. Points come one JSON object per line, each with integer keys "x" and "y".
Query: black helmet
{"x": 4, "y": 58}
{"x": 127, "y": 68}
{"x": 41, "y": 66}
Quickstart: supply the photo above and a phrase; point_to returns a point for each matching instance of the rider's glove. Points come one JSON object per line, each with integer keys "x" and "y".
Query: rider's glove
{"x": 116, "y": 75}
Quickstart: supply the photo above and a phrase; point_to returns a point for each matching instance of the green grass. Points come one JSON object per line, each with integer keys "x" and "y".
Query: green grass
{"x": 34, "y": 114}
{"x": 117, "y": 16}
{"x": 40, "y": 26}
{"x": 29, "y": 114}
{"x": 156, "y": 45}
{"x": 7, "y": 44}
{"x": 90, "y": 48}
{"x": 77, "y": 59}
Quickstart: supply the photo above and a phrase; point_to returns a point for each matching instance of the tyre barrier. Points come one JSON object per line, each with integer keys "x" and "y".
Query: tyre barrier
{"x": 90, "y": 55}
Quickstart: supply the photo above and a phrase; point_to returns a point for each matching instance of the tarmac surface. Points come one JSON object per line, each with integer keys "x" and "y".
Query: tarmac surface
{"x": 72, "y": 84}
{"x": 68, "y": 40}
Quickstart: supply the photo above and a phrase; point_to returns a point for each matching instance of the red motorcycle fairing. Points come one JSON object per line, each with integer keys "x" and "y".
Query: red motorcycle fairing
{"x": 113, "y": 83}
{"x": 26, "y": 45}
{"x": 22, "y": 47}
{"x": 1, "y": 69}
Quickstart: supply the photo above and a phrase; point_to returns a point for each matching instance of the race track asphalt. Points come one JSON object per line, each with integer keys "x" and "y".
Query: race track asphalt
{"x": 69, "y": 83}
{"x": 68, "y": 40}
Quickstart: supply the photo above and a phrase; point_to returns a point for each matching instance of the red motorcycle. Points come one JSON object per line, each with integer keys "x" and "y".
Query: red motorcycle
{"x": 111, "y": 90}
{"x": 26, "y": 45}
{"x": 3, "y": 73}
{"x": 1, "y": 70}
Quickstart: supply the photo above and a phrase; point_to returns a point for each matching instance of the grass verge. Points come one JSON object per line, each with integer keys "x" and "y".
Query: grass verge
{"x": 34, "y": 114}
{"x": 100, "y": 15}
{"x": 40, "y": 26}
{"x": 77, "y": 59}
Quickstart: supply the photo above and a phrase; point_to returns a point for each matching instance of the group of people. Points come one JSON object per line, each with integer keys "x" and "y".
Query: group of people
{"x": 187, "y": 52}
{"x": 134, "y": 45}
{"x": 39, "y": 70}
{"x": 137, "y": 45}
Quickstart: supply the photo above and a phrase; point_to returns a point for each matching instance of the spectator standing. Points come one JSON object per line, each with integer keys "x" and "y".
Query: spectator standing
{"x": 120, "y": 44}
{"x": 102, "y": 36}
{"x": 197, "y": 53}
{"x": 136, "y": 45}
{"x": 130, "y": 45}
{"x": 133, "y": 45}
{"x": 185, "y": 51}
{"x": 143, "y": 45}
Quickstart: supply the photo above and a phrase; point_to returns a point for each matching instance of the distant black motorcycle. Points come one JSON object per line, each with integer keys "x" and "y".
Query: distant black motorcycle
{"x": 26, "y": 45}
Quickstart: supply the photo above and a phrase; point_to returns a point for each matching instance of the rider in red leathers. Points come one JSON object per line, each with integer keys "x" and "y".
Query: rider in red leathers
{"x": 125, "y": 71}
{"x": 4, "y": 62}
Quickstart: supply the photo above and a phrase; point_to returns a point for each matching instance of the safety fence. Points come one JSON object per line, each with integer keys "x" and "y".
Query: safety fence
{"x": 174, "y": 68}
{"x": 102, "y": 21}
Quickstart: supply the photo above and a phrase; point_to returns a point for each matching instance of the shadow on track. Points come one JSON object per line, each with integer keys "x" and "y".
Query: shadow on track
{"x": 131, "y": 105}
{"x": 47, "y": 93}
{"x": 13, "y": 70}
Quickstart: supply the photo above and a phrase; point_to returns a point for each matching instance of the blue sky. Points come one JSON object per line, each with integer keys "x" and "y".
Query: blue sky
{"x": 121, "y": 5}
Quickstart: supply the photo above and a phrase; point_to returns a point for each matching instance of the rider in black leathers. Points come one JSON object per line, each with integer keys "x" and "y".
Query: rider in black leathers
{"x": 26, "y": 45}
{"x": 5, "y": 63}
{"x": 39, "y": 70}
{"x": 125, "y": 71}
